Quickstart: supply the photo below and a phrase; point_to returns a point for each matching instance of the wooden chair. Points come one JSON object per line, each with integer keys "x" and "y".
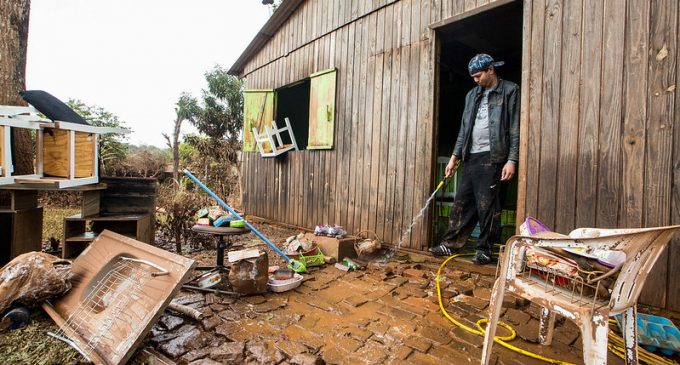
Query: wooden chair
{"x": 269, "y": 142}
{"x": 642, "y": 248}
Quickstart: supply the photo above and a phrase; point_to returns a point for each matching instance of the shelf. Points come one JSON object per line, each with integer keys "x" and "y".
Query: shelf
{"x": 79, "y": 232}
{"x": 104, "y": 218}
{"x": 83, "y": 237}
{"x": 90, "y": 236}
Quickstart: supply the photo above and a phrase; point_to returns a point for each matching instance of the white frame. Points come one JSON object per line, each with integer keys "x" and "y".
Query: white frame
{"x": 26, "y": 117}
{"x": 268, "y": 137}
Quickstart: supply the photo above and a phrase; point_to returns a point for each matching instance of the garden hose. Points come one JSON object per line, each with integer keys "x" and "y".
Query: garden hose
{"x": 503, "y": 341}
{"x": 616, "y": 344}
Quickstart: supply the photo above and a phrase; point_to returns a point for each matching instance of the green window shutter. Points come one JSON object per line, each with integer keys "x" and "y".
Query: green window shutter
{"x": 258, "y": 109}
{"x": 321, "y": 109}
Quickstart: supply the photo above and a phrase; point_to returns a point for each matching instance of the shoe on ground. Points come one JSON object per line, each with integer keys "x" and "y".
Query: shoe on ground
{"x": 442, "y": 250}
{"x": 482, "y": 258}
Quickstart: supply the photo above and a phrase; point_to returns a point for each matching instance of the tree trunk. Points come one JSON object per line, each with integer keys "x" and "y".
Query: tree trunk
{"x": 175, "y": 150}
{"x": 178, "y": 241}
{"x": 13, "y": 47}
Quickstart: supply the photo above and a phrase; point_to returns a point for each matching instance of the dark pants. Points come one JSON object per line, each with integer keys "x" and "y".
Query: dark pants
{"x": 479, "y": 198}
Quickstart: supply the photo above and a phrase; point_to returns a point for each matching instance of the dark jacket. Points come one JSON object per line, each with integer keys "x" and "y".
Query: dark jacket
{"x": 503, "y": 122}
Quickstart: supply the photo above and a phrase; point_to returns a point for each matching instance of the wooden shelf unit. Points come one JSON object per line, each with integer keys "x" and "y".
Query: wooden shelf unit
{"x": 79, "y": 231}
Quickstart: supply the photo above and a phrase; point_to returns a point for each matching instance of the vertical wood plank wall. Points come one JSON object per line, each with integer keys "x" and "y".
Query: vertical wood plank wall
{"x": 378, "y": 174}
{"x": 603, "y": 145}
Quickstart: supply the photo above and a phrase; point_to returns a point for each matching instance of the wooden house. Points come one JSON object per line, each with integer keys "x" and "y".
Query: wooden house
{"x": 374, "y": 91}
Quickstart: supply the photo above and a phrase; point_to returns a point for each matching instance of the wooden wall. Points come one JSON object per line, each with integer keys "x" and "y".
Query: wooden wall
{"x": 598, "y": 109}
{"x": 379, "y": 173}
{"x": 598, "y": 123}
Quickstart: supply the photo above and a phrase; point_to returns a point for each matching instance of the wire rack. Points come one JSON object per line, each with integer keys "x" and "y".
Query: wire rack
{"x": 574, "y": 288}
{"x": 104, "y": 308}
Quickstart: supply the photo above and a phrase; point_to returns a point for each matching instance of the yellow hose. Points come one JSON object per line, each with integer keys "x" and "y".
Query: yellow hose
{"x": 615, "y": 345}
{"x": 480, "y": 330}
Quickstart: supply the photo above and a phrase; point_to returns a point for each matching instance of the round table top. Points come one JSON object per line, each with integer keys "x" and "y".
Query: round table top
{"x": 220, "y": 231}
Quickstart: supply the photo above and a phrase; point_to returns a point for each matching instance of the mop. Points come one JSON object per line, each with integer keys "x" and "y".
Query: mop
{"x": 295, "y": 265}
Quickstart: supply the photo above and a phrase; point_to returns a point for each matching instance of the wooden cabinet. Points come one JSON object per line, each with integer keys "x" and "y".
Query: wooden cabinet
{"x": 20, "y": 232}
{"x": 127, "y": 206}
{"x": 79, "y": 231}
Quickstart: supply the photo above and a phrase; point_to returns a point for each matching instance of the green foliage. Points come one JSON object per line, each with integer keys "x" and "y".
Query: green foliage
{"x": 112, "y": 146}
{"x": 220, "y": 114}
{"x": 213, "y": 162}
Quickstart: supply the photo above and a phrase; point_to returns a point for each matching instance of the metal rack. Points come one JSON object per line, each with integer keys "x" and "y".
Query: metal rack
{"x": 104, "y": 307}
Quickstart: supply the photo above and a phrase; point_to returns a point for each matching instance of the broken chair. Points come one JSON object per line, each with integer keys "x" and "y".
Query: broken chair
{"x": 270, "y": 143}
{"x": 573, "y": 297}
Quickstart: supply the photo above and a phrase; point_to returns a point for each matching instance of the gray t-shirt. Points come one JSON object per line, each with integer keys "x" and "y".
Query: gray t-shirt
{"x": 480, "y": 131}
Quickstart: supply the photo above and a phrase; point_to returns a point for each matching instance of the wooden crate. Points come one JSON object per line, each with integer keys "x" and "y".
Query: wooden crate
{"x": 56, "y": 151}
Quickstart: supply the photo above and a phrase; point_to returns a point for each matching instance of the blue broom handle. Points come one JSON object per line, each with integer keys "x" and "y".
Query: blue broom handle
{"x": 222, "y": 203}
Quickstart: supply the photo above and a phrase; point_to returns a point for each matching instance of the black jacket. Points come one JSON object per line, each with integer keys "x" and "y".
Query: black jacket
{"x": 503, "y": 122}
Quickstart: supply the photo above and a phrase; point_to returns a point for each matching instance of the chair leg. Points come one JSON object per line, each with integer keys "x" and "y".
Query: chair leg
{"x": 630, "y": 334}
{"x": 546, "y": 327}
{"x": 495, "y": 306}
{"x": 594, "y": 332}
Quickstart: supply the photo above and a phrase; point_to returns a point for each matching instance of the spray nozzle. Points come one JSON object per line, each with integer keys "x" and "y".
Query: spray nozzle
{"x": 442, "y": 183}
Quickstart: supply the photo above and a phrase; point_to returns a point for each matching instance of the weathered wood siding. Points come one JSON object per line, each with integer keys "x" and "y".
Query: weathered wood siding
{"x": 379, "y": 172}
{"x": 601, "y": 147}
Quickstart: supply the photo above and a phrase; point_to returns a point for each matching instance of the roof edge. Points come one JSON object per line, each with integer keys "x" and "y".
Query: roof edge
{"x": 262, "y": 37}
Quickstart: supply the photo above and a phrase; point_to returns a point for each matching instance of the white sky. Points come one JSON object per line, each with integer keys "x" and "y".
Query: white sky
{"x": 134, "y": 57}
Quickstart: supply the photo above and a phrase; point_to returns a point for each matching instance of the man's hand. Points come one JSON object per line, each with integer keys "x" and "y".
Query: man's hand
{"x": 508, "y": 171}
{"x": 452, "y": 166}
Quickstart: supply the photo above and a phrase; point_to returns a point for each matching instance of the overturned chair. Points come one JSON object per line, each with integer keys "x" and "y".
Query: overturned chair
{"x": 575, "y": 298}
{"x": 270, "y": 143}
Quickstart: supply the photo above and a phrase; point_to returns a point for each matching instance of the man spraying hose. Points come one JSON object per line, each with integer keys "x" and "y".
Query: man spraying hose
{"x": 488, "y": 142}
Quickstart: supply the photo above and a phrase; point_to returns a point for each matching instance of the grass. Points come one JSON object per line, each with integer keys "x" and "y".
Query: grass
{"x": 53, "y": 221}
{"x": 31, "y": 345}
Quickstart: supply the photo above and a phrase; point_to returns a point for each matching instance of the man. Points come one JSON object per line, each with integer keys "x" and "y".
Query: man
{"x": 488, "y": 142}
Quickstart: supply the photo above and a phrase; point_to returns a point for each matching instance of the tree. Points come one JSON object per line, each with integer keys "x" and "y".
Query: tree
{"x": 220, "y": 114}
{"x": 112, "y": 147}
{"x": 13, "y": 46}
{"x": 186, "y": 108}
{"x": 273, "y": 4}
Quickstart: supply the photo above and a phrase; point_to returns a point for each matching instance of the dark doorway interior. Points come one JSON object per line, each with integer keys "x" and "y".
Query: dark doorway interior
{"x": 497, "y": 32}
{"x": 292, "y": 102}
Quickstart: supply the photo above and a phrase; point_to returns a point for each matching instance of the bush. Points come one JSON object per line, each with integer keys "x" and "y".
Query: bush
{"x": 179, "y": 207}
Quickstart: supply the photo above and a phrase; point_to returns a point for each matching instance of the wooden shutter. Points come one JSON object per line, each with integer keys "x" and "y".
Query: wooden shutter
{"x": 321, "y": 110}
{"x": 258, "y": 109}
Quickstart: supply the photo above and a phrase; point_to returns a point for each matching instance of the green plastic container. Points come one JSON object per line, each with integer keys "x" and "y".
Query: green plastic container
{"x": 237, "y": 224}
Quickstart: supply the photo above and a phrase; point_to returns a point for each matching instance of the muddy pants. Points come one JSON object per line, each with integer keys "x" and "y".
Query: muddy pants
{"x": 479, "y": 198}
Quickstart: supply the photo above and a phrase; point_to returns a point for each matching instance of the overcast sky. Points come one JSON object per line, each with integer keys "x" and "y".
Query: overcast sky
{"x": 134, "y": 57}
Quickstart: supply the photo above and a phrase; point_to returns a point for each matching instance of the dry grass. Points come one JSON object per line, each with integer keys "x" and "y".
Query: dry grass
{"x": 31, "y": 345}
{"x": 53, "y": 221}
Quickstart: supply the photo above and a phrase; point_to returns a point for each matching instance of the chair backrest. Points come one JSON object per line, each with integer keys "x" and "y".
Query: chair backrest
{"x": 642, "y": 246}
{"x": 270, "y": 143}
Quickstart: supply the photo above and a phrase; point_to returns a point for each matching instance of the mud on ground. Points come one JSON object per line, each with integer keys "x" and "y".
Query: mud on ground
{"x": 387, "y": 313}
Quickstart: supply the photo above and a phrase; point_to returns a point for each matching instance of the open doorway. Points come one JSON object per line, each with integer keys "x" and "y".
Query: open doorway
{"x": 498, "y": 32}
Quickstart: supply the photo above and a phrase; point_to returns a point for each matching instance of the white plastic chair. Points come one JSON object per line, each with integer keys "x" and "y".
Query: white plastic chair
{"x": 269, "y": 142}
{"x": 642, "y": 248}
